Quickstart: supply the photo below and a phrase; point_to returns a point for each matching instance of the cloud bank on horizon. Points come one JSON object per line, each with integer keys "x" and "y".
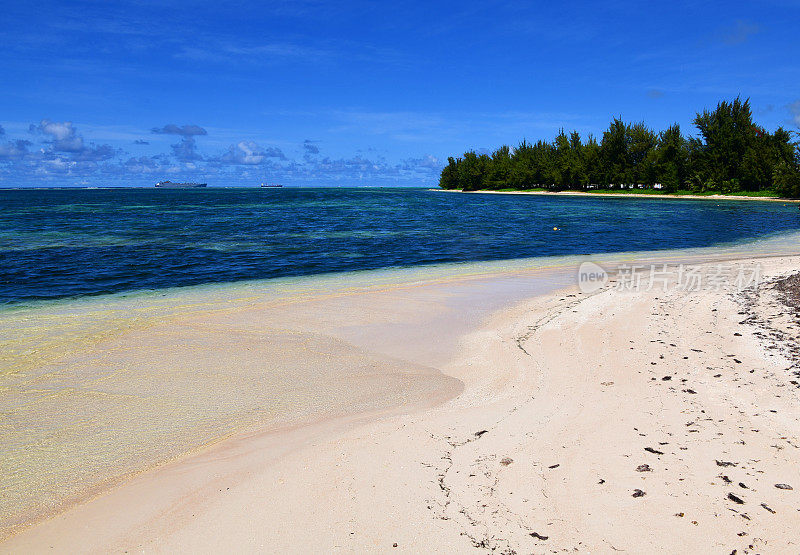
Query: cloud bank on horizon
{"x": 55, "y": 150}
{"x": 312, "y": 93}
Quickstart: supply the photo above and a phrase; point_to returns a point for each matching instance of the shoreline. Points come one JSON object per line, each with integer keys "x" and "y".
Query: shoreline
{"x": 625, "y": 195}
{"x": 470, "y": 364}
{"x": 518, "y": 460}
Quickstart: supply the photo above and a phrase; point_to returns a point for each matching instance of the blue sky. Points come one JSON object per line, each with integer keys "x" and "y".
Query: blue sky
{"x": 360, "y": 93}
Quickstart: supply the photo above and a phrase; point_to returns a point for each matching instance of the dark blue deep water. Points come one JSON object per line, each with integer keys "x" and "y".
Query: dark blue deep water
{"x": 60, "y": 243}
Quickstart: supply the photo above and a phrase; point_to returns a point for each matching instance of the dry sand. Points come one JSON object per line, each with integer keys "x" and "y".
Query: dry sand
{"x": 644, "y": 422}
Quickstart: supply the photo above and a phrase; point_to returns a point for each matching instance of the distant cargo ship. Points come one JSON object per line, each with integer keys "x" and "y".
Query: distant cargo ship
{"x": 265, "y": 185}
{"x": 171, "y": 185}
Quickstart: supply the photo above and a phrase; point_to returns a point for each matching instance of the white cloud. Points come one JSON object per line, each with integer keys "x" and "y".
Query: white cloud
{"x": 740, "y": 32}
{"x": 248, "y": 153}
{"x": 182, "y": 130}
{"x": 14, "y": 150}
{"x": 64, "y": 136}
{"x": 426, "y": 163}
{"x": 253, "y": 54}
{"x": 794, "y": 109}
{"x": 64, "y": 152}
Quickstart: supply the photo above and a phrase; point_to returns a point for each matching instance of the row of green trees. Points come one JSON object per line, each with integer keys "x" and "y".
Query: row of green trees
{"x": 731, "y": 154}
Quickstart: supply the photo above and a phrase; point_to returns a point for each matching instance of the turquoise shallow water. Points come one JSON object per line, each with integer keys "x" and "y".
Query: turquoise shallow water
{"x": 66, "y": 243}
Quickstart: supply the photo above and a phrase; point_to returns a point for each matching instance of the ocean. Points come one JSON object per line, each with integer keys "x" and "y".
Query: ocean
{"x": 76, "y": 242}
{"x": 304, "y": 305}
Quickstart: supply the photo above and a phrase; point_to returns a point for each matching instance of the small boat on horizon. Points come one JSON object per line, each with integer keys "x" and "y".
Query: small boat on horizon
{"x": 270, "y": 185}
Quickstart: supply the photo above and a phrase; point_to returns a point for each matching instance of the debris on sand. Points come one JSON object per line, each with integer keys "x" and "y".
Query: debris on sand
{"x": 554, "y": 466}
{"x": 538, "y": 536}
{"x": 638, "y": 493}
{"x": 726, "y": 463}
{"x": 644, "y": 468}
{"x": 783, "y": 486}
{"x": 736, "y": 499}
{"x": 505, "y": 461}
{"x": 767, "y": 508}
{"x": 654, "y": 451}
{"x": 480, "y": 433}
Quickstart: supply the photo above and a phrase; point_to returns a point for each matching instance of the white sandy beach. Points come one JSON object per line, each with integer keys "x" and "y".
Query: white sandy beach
{"x": 501, "y": 410}
{"x": 625, "y": 194}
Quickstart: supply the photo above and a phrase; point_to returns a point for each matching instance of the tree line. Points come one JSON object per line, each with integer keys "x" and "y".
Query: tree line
{"x": 730, "y": 154}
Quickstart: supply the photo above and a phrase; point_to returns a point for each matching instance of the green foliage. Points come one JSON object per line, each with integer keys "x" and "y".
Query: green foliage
{"x": 449, "y": 176}
{"x": 671, "y": 165}
{"x": 787, "y": 180}
{"x": 731, "y": 155}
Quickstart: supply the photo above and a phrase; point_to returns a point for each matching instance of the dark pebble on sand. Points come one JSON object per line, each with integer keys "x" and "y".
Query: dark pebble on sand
{"x": 638, "y": 493}
{"x": 735, "y": 499}
{"x": 783, "y": 486}
{"x": 643, "y": 468}
{"x": 654, "y": 451}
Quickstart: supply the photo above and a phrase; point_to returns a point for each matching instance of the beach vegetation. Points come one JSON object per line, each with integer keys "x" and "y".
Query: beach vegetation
{"x": 729, "y": 154}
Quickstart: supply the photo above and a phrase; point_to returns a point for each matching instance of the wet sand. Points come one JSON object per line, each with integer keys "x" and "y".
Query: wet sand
{"x": 99, "y": 390}
{"x": 481, "y": 406}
